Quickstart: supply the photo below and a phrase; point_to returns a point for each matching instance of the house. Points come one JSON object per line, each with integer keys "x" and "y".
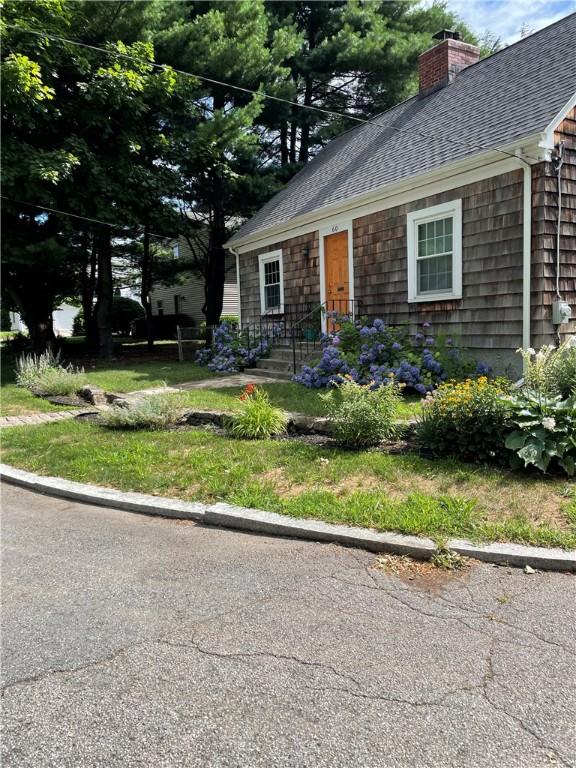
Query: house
{"x": 443, "y": 209}
{"x": 187, "y": 297}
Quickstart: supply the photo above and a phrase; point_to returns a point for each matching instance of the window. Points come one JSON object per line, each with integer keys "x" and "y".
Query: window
{"x": 435, "y": 252}
{"x": 271, "y": 282}
{"x": 175, "y": 252}
{"x": 160, "y": 308}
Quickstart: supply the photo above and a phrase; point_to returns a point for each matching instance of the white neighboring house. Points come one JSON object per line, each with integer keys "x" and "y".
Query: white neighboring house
{"x": 62, "y": 319}
{"x": 187, "y": 298}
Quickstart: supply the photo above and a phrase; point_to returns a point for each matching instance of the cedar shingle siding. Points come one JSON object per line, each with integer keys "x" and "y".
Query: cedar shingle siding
{"x": 544, "y": 221}
{"x": 488, "y": 318}
{"x": 301, "y": 276}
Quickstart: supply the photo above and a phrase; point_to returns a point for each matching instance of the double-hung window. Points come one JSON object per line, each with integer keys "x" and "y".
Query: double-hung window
{"x": 271, "y": 282}
{"x": 434, "y": 237}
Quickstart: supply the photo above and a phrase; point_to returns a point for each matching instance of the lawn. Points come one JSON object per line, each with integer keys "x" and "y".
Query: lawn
{"x": 406, "y": 493}
{"x": 130, "y": 376}
{"x": 287, "y": 395}
{"x": 119, "y": 377}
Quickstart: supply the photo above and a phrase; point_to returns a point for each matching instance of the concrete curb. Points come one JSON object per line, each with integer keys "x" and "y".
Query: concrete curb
{"x": 102, "y": 497}
{"x": 270, "y": 523}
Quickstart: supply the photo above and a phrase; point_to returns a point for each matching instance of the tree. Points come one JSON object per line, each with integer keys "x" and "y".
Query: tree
{"x": 75, "y": 125}
{"x": 356, "y": 58}
{"x": 215, "y": 146}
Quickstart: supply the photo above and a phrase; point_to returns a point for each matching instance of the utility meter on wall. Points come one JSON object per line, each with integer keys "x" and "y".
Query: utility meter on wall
{"x": 561, "y": 313}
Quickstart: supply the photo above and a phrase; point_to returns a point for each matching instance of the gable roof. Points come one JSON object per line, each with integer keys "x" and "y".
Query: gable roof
{"x": 512, "y": 94}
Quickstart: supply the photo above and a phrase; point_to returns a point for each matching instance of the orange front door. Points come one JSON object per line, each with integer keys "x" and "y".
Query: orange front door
{"x": 336, "y": 273}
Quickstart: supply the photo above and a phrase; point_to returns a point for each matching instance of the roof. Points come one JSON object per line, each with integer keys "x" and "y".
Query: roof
{"x": 512, "y": 94}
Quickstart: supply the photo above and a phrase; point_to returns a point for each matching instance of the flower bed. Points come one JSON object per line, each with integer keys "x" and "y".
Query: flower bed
{"x": 230, "y": 351}
{"x": 532, "y": 426}
{"x": 377, "y": 354}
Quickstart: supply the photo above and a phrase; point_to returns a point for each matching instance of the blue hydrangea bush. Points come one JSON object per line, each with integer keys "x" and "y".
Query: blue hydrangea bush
{"x": 377, "y": 354}
{"x": 231, "y": 351}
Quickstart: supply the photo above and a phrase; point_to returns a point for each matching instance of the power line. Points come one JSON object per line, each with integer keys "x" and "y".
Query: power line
{"x": 77, "y": 216}
{"x": 321, "y": 110}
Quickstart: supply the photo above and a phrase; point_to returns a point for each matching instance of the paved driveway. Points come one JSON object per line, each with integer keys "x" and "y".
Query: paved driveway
{"x": 134, "y": 641}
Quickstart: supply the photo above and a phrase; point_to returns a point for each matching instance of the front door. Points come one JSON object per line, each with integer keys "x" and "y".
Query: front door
{"x": 336, "y": 275}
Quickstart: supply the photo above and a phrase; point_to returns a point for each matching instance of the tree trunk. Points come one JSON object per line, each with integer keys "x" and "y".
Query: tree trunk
{"x": 146, "y": 284}
{"x": 105, "y": 295}
{"x": 40, "y": 328}
{"x": 284, "y": 145}
{"x": 215, "y": 273}
{"x": 305, "y": 130}
{"x": 36, "y": 313}
{"x": 294, "y": 122}
{"x": 88, "y": 289}
{"x": 293, "y": 137}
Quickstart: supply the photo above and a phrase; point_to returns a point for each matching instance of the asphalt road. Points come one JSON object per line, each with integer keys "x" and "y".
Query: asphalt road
{"x": 135, "y": 641}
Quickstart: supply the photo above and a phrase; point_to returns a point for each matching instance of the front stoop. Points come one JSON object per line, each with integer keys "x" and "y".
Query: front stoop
{"x": 280, "y": 361}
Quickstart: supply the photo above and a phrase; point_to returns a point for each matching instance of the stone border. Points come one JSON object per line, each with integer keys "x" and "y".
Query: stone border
{"x": 272, "y": 524}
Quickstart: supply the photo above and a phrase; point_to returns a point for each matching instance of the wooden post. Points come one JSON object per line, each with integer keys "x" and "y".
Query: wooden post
{"x": 180, "y": 350}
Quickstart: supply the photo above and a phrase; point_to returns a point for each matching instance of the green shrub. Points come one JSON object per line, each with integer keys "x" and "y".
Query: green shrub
{"x": 552, "y": 370}
{"x": 546, "y": 431}
{"x": 150, "y": 412}
{"x": 59, "y": 382}
{"x": 125, "y": 312}
{"x": 230, "y": 319}
{"x": 257, "y": 418}
{"x": 360, "y": 416}
{"x": 45, "y": 375}
{"x": 468, "y": 420}
{"x": 30, "y": 367}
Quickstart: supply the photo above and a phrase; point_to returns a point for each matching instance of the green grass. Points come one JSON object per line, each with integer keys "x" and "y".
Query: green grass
{"x": 121, "y": 377}
{"x": 287, "y": 395}
{"x": 130, "y": 376}
{"x": 406, "y": 493}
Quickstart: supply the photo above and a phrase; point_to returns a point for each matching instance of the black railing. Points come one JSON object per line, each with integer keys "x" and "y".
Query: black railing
{"x": 306, "y": 335}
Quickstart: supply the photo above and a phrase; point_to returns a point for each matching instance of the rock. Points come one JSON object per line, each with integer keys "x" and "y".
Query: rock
{"x": 199, "y": 418}
{"x": 529, "y": 569}
{"x": 308, "y": 425}
{"x": 93, "y": 395}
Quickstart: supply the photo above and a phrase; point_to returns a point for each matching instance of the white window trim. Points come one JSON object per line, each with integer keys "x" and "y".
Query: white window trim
{"x": 263, "y": 258}
{"x": 413, "y": 220}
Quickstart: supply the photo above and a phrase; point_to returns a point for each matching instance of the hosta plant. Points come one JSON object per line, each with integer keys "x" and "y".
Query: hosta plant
{"x": 545, "y": 436}
{"x": 257, "y": 418}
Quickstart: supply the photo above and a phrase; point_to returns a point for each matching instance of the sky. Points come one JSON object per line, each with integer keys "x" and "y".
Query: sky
{"x": 507, "y": 17}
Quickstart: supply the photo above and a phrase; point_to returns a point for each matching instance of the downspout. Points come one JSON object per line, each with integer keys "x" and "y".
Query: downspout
{"x": 237, "y": 256}
{"x": 526, "y": 249}
{"x": 526, "y": 254}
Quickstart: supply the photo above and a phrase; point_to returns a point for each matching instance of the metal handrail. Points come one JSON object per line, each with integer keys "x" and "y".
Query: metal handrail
{"x": 322, "y": 307}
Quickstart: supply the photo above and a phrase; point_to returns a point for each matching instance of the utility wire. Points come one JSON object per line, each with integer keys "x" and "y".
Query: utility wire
{"x": 77, "y": 216}
{"x": 321, "y": 110}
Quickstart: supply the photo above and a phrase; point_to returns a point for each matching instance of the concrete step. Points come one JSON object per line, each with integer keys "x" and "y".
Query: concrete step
{"x": 263, "y": 373}
{"x": 285, "y": 353}
{"x": 275, "y": 364}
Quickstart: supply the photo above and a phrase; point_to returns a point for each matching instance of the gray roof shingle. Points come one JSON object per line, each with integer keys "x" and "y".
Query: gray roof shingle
{"x": 514, "y": 93}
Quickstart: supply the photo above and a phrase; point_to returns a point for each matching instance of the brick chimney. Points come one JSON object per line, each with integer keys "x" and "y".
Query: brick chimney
{"x": 439, "y": 65}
